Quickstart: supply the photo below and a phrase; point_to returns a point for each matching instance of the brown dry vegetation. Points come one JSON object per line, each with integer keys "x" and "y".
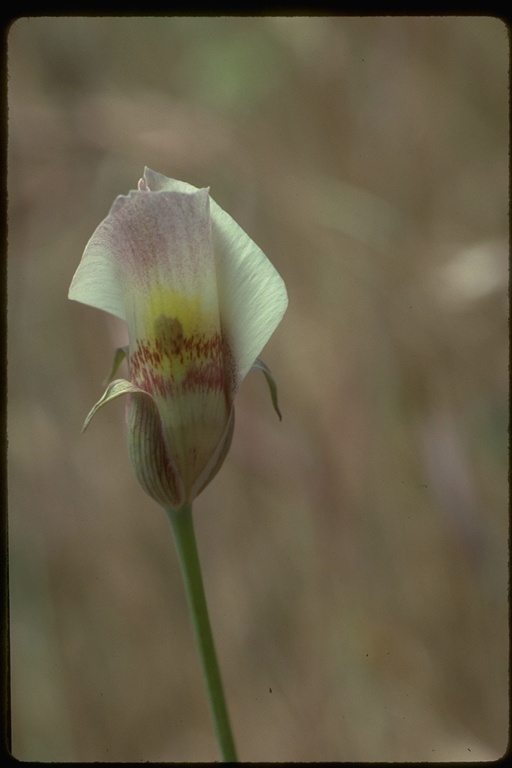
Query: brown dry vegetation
{"x": 355, "y": 555}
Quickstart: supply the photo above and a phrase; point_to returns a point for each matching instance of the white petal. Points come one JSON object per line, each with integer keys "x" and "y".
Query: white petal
{"x": 252, "y": 295}
{"x": 152, "y": 248}
{"x": 157, "y": 182}
{"x": 96, "y": 282}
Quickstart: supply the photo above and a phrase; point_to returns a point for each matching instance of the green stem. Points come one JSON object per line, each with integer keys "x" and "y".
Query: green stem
{"x": 184, "y": 536}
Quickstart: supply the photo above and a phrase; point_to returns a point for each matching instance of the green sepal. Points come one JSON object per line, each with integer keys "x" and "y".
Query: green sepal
{"x": 114, "y": 389}
{"x": 259, "y": 365}
{"x": 120, "y": 354}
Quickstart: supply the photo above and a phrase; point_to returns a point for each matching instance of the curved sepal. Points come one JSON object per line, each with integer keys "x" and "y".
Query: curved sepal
{"x": 259, "y": 365}
{"x": 120, "y": 354}
{"x": 115, "y": 389}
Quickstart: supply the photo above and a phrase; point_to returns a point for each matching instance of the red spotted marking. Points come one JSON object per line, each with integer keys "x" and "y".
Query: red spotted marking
{"x": 197, "y": 360}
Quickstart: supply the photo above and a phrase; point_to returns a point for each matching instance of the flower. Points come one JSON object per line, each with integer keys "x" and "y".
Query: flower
{"x": 200, "y": 301}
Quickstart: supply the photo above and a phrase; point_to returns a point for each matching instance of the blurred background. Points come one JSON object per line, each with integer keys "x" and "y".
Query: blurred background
{"x": 355, "y": 555}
